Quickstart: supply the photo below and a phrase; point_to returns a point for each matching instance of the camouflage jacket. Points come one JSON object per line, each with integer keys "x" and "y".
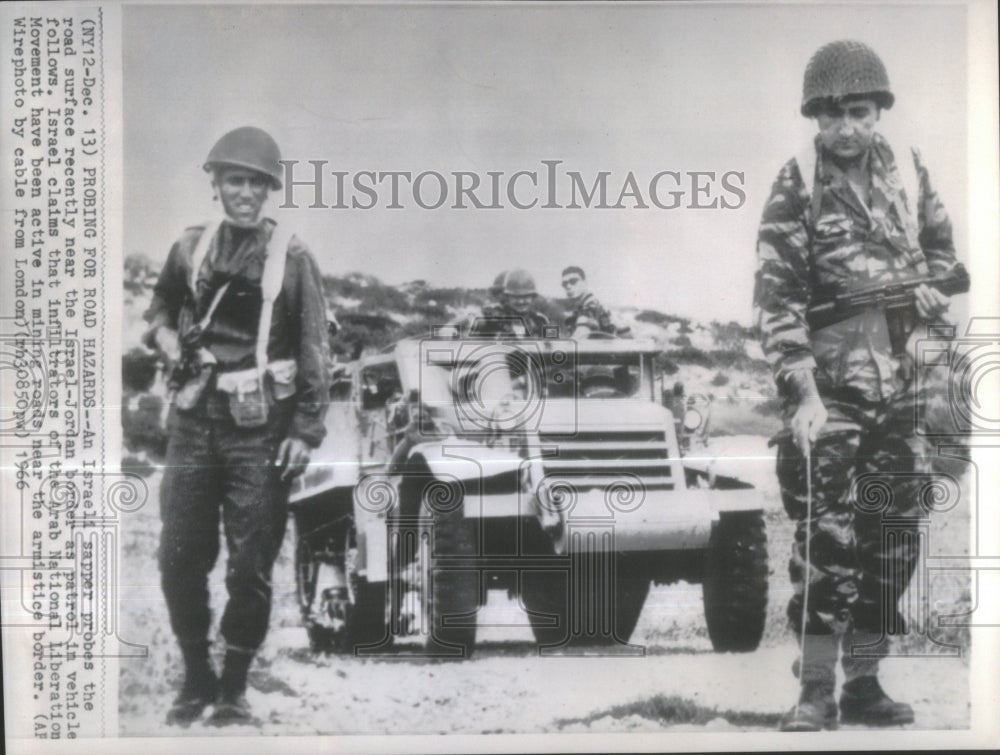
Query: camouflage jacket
{"x": 587, "y": 310}
{"x": 801, "y": 259}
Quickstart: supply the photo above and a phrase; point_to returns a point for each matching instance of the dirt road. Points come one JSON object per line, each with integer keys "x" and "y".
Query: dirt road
{"x": 676, "y": 683}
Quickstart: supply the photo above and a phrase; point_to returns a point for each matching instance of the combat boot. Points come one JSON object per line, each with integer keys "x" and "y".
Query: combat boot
{"x": 232, "y": 706}
{"x": 863, "y": 701}
{"x": 816, "y": 710}
{"x": 199, "y": 690}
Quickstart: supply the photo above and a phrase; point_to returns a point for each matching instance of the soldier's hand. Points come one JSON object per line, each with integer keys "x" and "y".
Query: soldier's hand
{"x": 808, "y": 420}
{"x": 293, "y": 458}
{"x": 167, "y": 343}
{"x": 930, "y": 302}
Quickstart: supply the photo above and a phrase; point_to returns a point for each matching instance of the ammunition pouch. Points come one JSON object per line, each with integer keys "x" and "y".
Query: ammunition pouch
{"x": 247, "y": 401}
{"x": 282, "y": 378}
{"x": 251, "y": 394}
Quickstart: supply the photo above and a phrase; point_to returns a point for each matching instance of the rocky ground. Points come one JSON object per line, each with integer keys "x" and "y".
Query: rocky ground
{"x": 676, "y": 683}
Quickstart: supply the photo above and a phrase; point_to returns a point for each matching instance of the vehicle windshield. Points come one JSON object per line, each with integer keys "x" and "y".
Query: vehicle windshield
{"x": 607, "y": 375}
{"x": 486, "y": 374}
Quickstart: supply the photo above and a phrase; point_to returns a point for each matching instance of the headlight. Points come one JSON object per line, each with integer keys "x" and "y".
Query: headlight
{"x": 692, "y": 420}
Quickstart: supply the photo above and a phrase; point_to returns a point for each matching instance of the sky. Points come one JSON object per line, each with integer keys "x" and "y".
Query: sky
{"x": 639, "y": 88}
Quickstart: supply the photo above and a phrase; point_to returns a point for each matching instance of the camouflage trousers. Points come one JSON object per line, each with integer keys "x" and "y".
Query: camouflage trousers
{"x": 869, "y": 473}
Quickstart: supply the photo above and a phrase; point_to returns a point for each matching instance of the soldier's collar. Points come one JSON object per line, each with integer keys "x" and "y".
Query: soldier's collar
{"x": 261, "y": 223}
{"x": 831, "y": 169}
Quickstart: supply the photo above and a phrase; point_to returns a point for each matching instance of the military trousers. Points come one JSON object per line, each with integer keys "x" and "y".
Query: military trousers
{"x": 216, "y": 472}
{"x": 870, "y": 480}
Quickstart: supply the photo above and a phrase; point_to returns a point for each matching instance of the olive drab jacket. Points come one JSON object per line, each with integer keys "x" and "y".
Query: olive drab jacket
{"x": 298, "y": 326}
{"x": 811, "y": 246}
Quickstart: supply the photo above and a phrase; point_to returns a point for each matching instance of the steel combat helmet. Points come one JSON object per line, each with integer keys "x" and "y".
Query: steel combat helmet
{"x": 518, "y": 283}
{"x": 247, "y": 147}
{"x": 844, "y": 68}
{"x": 497, "y": 288}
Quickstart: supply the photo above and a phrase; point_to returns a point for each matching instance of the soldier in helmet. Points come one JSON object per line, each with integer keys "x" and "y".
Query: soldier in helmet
{"x": 515, "y": 315}
{"x": 239, "y": 313}
{"x": 843, "y": 214}
{"x": 496, "y": 290}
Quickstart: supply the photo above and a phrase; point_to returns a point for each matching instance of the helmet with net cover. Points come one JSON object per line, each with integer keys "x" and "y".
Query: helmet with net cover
{"x": 842, "y": 69}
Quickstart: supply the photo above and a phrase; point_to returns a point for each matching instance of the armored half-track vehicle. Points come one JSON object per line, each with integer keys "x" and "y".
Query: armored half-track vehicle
{"x": 548, "y": 468}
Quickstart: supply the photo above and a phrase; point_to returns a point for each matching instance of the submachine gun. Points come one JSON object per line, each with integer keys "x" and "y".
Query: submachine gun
{"x": 897, "y": 300}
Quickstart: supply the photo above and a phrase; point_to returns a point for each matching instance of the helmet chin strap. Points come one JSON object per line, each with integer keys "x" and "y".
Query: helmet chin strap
{"x": 242, "y": 223}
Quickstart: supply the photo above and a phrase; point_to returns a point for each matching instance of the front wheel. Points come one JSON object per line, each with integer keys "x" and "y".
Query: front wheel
{"x": 631, "y": 588}
{"x": 366, "y": 609}
{"x": 340, "y": 608}
{"x": 322, "y": 636}
{"x": 735, "y": 584}
{"x": 610, "y": 590}
{"x": 593, "y": 597}
{"x": 454, "y": 586}
{"x": 545, "y": 592}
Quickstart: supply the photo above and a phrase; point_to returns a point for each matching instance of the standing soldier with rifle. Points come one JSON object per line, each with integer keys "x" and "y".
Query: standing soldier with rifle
{"x": 239, "y": 311}
{"x": 852, "y": 256}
